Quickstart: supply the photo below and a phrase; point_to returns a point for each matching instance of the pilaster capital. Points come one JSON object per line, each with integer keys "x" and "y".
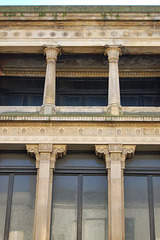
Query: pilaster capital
{"x": 128, "y": 151}
{"x": 115, "y": 153}
{"x": 51, "y": 52}
{"x": 33, "y": 150}
{"x": 113, "y": 53}
{"x": 102, "y": 150}
{"x": 46, "y": 152}
{"x": 59, "y": 150}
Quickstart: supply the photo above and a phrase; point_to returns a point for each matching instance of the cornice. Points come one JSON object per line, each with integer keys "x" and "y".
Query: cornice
{"x": 83, "y": 12}
{"x": 80, "y": 9}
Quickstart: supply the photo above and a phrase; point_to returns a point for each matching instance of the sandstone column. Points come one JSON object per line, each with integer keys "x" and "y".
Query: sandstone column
{"x": 46, "y": 155}
{"x": 51, "y": 53}
{"x": 113, "y": 53}
{"x": 115, "y": 155}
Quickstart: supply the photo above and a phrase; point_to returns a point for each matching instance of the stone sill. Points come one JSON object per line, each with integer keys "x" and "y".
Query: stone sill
{"x": 32, "y": 113}
{"x": 78, "y": 109}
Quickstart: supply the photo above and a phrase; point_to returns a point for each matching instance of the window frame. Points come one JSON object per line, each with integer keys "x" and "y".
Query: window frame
{"x": 148, "y": 172}
{"x": 79, "y": 172}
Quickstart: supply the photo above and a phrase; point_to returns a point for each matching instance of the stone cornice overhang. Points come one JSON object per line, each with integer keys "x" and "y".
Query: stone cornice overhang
{"x": 79, "y": 13}
{"x": 80, "y": 8}
{"x": 79, "y": 29}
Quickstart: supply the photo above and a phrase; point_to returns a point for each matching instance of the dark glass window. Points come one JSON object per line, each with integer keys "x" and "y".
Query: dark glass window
{"x": 17, "y": 195}
{"x": 79, "y": 208}
{"x": 82, "y": 92}
{"x": 140, "y": 91}
{"x": 21, "y": 91}
{"x": 28, "y": 91}
{"x": 142, "y": 197}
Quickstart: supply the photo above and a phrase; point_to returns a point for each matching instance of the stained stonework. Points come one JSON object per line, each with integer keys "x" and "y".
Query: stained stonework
{"x": 82, "y": 66}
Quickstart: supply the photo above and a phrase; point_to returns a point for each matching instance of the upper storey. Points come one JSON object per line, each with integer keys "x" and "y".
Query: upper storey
{"x": 75, "y": 40}
{"x": 81, "y": 29}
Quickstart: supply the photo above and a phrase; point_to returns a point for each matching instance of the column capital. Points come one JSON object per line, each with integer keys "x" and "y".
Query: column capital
{"x": 51, "y": 52}
{"x": 46, "y": 152}
{"x": 115, "y": 152}
{"x": 113, "y": 53}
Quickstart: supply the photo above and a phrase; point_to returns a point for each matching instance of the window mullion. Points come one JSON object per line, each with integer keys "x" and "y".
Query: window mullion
{"x": 9, "y": 205}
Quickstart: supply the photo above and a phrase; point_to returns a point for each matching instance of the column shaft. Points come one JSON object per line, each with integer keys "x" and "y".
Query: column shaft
{"x": 50, "y": 83}
{"x": 113, "y": 83}
{"x": 49, "y": 96}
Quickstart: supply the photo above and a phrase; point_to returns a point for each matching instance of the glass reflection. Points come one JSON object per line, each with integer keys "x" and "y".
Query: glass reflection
{"x": 136, "y": 208}
{"x": 64, "y": 214}
{"x": 22, "y": 211}
{"x": 3, "y": 202}
{"x": 156, "y": 197}
{"x": 94, "y": 215}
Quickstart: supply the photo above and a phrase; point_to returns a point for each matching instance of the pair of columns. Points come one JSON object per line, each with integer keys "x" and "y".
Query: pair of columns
{"x": 52, "y": 52}
{"x": 114, "y": 155}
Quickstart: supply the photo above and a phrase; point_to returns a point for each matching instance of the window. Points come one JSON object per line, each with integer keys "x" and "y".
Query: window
{"x": 142, "y": 197}
{"x": 82, "y": 92}
{"x": 17, "y": 195}
{"x": 79, "y": 208}
{"x": 140, "y": 91}
{"x": 21, "y": 91}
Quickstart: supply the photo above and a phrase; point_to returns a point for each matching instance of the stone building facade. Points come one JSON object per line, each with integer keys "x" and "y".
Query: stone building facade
{"x": 79, "y": 123}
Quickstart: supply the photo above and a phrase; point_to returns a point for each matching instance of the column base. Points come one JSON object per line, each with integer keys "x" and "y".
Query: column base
{"x": 114, "y": 109}
{"x": 47, "y": 109}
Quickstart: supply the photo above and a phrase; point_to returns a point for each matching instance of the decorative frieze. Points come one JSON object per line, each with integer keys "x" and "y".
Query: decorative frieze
{"x": 69, "y": 133}
{"x": 79, "y": 32}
